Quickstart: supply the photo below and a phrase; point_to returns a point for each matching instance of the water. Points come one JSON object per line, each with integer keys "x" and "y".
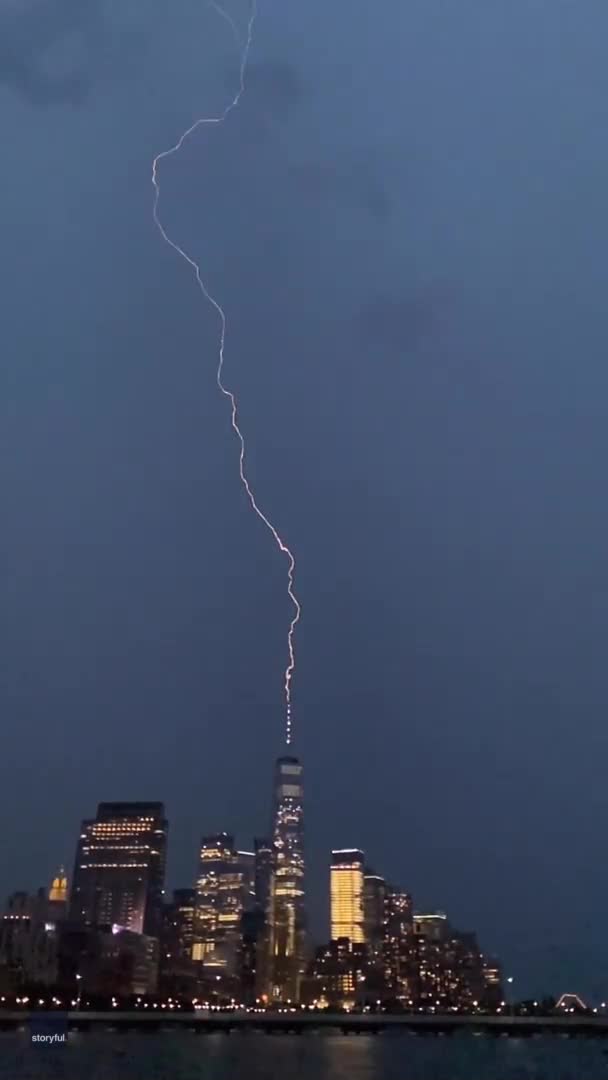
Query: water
{"x": 256, "y": 1056}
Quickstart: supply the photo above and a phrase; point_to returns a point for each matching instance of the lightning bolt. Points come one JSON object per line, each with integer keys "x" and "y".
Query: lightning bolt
{"x": 215, "y": 304}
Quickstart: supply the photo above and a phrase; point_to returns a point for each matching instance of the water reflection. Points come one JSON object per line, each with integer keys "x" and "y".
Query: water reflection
{"x": 350, "y": 1057}
{"x": 256, "y": 1056}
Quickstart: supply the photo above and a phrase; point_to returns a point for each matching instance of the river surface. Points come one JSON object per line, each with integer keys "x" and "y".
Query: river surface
{"x": 257, "y": 1056}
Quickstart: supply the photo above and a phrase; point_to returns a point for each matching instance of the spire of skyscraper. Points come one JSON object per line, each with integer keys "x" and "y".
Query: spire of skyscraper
{"x": 58, "y": 891}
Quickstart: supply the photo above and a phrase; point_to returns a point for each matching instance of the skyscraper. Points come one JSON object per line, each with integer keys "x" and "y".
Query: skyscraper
{"x": 252, "y": 966}
{"x": 176, "y": 968}
{"x": 120, "y": 868}
{"x": 246, "y": 860}
{"x": 256, "y": 931}
{"x": 264, "y": 861}
{"x": 287, "y": 930}
{"x": 374, "y": 913}
{"x": 178, "y": 927}
{"x": 223, "y": 891}
{"x": 346, "y": 875}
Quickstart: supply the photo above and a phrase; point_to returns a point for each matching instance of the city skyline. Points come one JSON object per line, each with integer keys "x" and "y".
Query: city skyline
{"x": 219, "y": 846}
{"x": 359, "y": 879}
{"x": 241, "y": 932}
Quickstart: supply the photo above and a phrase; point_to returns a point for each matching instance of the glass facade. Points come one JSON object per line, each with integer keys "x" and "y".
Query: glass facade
{"x": 346, "y": 884}
{"x": 224, "y": 890}
{"x": 120, "y": 868}
{"x": 287, "y": 907}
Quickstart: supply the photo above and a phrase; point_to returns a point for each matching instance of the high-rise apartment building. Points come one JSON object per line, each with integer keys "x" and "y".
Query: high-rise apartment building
{"x": 374, "y": 912}
{"x": 223, "y": 891}
{"x": 449, "y": 967}
{"x": 337, "y": 975}
{"x": 346, "y": 888}
{"x": 398, "y": 945}
{"x": 287, "y": 929}
{"x": 120, "y": 868}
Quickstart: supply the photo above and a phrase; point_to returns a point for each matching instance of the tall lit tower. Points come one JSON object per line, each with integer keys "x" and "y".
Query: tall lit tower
{"x": 287, "y": 911}
{"x": 347, "y": 912}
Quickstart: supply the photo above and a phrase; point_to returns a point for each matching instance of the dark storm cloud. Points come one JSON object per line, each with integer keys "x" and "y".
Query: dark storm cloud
{"x": 343, "y": 183}
{"x": 400, "y": 322}
{"x": 274, "y": 85}
{"x": 52, "y": 51}
{"x": 273, "y": 90}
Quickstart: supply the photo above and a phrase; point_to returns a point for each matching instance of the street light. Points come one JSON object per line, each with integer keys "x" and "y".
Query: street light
{"x": 79, "y": 995}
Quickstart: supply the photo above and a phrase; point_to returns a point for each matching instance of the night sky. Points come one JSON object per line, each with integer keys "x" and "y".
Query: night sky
{"x": 406, "y": 223}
